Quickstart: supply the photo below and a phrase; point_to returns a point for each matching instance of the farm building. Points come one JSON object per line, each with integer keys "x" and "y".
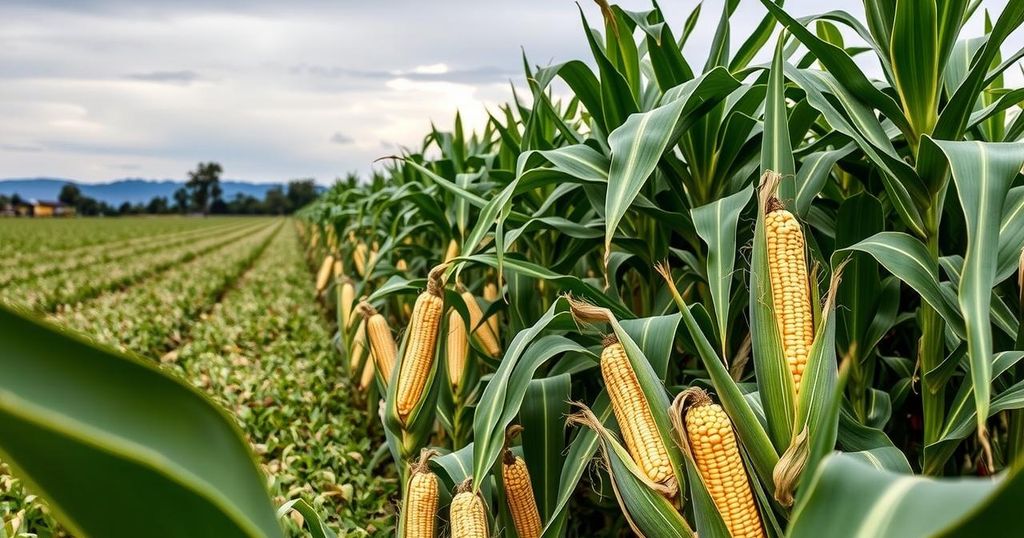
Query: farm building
{"x": 44, "y": 208}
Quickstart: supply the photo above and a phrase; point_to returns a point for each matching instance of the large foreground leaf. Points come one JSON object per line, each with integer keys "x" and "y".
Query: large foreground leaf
{"x": 850, "y": 498}
{"x": 118, "y": 447}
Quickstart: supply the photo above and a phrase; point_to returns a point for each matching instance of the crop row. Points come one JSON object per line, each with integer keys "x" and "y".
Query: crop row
{"x": 92, "y": 256}
{"x": 25, "y": 240}
{"x": 148, "y": 319}
{"x": 265, "y": 355}
{"x": 68, "y": 288}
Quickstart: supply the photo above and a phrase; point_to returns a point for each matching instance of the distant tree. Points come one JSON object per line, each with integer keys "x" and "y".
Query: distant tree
{"x": 218, "y": 207}
{"x": 245, "y": 204}
{"x": 275, "y": 202}
{"x": 300, "y": 193}
{"x": 181, "y": 200}
{"x": 90, "y": 207}
{"x": 16, "y": 199}
{"x": 204, "y": 185}
{"x": 4, "y": 200}
{"x": 70, "y": 195}
{"x": 158, "y": 205}
{"x": 125, "y": 208}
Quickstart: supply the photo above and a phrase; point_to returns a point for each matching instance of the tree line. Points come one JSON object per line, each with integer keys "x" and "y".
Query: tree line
{"x": 202, "y": 193}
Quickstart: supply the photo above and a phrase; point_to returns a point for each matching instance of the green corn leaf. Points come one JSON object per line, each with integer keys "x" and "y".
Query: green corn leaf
{"x": 982, "y": 173}
{"x": 78, "y": 422}
{"x": 882, "y": 504}
{"x": 908, "y": 259}
{"x": 716, "y": 224}
{"x": 914, "y": 53}
{"x": 543, "y": 413}
{"x": 776, "y": 149}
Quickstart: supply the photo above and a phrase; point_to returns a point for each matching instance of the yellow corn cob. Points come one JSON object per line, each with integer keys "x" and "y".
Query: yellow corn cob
{"x": 421, "y": 503}
{"x": 456, "y": 347}
{"x": 367, "y": 377}
{"x": 519, "y": 493}
{"x": 401, "y": 265}
{"x": 339, "y": 269}
{"x": 790, "y": 294}
{"x": 491, "y": 295}
{"x": 359, "y": 258}
{"x": 468, "y": 513}
{"x": 633, "y": 413}
{"x": 718, "y": 460}
{"x": 482, "y": 331}
{"x": 358, "y": 347}
{"x": 419, "y": 350}
{"x": 346, "y": 300}
{"x": 382, "y": 342}
{"x": 452, "y": 251}
{"x": 324, "y": 273}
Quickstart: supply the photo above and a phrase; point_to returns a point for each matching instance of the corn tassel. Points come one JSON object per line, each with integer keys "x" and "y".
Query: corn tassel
{"x": 467, "y": 513}
{"x": 382, "y": 343}
{"x": 456, "y": 347}
{"x": 420, "y": 515}
{"x": 790, "y": 293}
{"x": 482, "y": 331}
{"x": 633, "y": 413}
{"x": 421, "y": 346}
{"x": 324, "y": 273}
{"x": 519, "y": 495}
{"x": 717, "y": 457}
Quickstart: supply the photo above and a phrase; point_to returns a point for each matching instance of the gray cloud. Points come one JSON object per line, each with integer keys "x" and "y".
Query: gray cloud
{"x": 482, "y": 74}
{"x": 21, "y": 148}
{"x": 184, "y": 77}
{"x": 341, "y": 138}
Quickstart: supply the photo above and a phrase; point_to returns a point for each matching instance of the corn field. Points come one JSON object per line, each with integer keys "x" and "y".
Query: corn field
{"x": 777, "y": 290}
{"x": 704, "y": 296}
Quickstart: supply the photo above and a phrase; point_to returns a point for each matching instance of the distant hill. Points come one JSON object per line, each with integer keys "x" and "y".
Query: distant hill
{"x": 123, "y": 190}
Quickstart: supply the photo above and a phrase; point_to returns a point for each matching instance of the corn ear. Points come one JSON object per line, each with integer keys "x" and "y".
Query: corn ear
{"x": 418, "y": 358}
{"x": 482, "y": 331}
{"x": 359, "y": 257}
{"x": 346, "y": 301}
{"x": 716, "y": 455}
{"x": 456, "y": 347}
{"x": 467, "y": 513}
{"x": 382, "y": 343}
{"x": 420, "y": 516}
{"x": 358, "y": 347}
{"x": 519, "y": 495}
{"x": 324, "y": 274}
{"x": 790, "y": 287}
{"x": 491, "y": 295}
{"x": 633, "y": 413}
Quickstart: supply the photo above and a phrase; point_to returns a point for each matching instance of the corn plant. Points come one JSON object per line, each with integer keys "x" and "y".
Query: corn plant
{"x": 687, "y": 259}
{"x": 712, "y": 297}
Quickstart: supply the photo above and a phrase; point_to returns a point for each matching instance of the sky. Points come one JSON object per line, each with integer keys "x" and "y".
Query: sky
{"x": 97, "y": 90}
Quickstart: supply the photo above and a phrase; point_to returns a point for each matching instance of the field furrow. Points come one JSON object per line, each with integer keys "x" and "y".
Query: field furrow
{"x": 27, "y": 241}
{"x": 149, "y": 319}
{"x": 265, "y": 355}
{"x": 59, "y": 291}
{"x": 92, "y": 256}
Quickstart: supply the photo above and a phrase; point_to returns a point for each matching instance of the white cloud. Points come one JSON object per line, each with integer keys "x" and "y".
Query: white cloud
{"x": 273, "y": 90}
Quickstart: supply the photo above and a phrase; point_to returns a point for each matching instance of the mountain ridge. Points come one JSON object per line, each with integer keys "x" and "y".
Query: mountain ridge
{"x": 118, "y": 191}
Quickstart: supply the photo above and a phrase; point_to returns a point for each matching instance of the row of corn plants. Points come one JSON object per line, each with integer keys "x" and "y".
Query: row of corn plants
{"x": 736, "y": 298}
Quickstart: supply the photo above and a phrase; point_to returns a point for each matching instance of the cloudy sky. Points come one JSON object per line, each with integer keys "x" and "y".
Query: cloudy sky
{"x": 102, "y": 89}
